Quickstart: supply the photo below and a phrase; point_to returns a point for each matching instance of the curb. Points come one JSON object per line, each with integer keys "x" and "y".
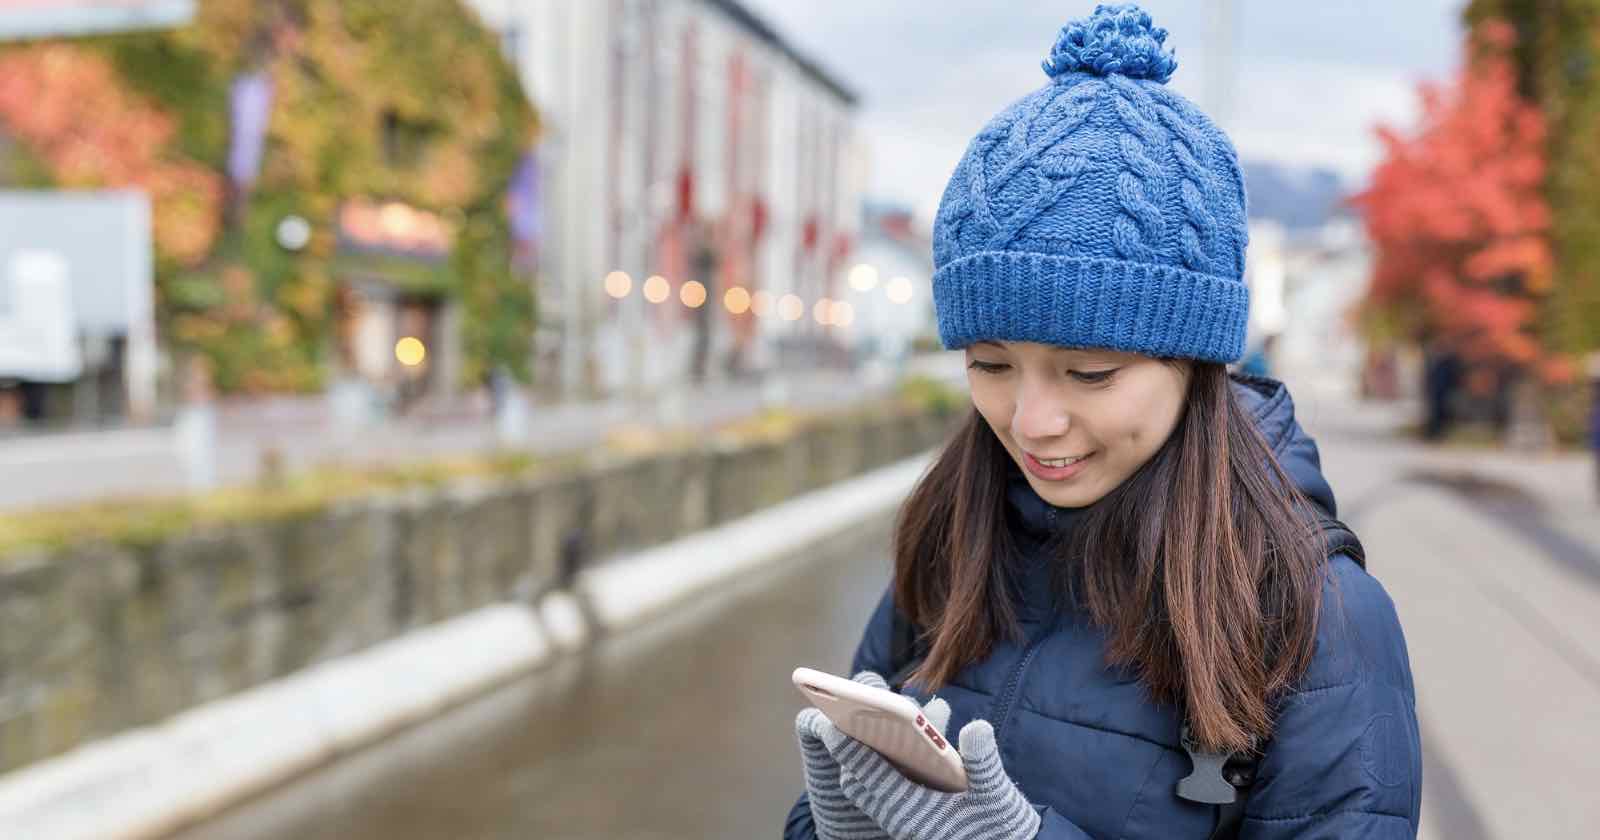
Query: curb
{"x": 149, "y": 782}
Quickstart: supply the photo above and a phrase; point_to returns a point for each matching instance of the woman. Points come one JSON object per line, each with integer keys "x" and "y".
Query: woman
{"x": 1121, "y": 572}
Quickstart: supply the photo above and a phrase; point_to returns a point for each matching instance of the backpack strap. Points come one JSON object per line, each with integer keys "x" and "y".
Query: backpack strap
{"x": 1341, "y": 540}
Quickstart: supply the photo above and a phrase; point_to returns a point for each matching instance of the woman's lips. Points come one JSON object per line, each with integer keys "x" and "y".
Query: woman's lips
{"x": 1049, "y": 473}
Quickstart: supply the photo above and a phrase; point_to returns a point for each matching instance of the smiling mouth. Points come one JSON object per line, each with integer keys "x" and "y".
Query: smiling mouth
{"x": 1058, "y": 462}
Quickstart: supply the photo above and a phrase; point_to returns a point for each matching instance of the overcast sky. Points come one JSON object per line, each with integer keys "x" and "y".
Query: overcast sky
{"x": 1309, "y": 79}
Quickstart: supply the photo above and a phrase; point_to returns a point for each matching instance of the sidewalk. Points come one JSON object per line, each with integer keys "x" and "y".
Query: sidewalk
{"x": 301, "y": 433}
{"x": 1493, "y": 561}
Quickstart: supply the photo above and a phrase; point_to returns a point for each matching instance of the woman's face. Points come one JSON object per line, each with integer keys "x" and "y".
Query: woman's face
{"x": 1110, "y": 409}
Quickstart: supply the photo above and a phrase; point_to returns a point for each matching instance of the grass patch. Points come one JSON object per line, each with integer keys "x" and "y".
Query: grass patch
{"x": 149, "y": 520}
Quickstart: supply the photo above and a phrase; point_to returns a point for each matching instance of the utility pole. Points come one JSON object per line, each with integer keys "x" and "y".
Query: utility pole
{"x": 1220, "y": 78}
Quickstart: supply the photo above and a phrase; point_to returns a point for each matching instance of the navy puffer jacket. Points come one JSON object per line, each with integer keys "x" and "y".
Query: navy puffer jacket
{"x": 1099, "y": 759}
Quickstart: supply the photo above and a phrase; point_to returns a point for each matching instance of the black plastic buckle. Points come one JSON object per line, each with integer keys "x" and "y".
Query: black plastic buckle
{"x": 1206, "y": 783}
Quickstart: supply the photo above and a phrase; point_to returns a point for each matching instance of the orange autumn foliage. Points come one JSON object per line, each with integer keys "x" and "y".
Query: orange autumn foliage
{"x": 69, "y": 106}
{"x": 1458, "y": 218}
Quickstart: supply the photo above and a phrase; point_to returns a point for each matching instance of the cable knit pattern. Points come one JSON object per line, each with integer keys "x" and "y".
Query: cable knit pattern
{"x": 1101, "y": 210}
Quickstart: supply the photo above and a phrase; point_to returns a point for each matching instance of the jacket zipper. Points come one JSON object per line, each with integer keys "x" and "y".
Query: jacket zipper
{"x": 1008, "y": 698}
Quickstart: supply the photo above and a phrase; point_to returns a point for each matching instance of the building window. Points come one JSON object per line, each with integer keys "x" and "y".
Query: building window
{"x": 404, "y": 140}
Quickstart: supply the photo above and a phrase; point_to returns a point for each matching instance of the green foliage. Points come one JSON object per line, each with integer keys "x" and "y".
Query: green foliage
{"x": 149, "y": 520}
{"x": 20, "y": 168}
{"x": 497, "y": 301}
{"x": 929, "y": 394}
{"x": 373, "y": 100}
{"x": 186, "y": 84}
{"x": 1557, "y": 56}
{"x": 146, "y": 521}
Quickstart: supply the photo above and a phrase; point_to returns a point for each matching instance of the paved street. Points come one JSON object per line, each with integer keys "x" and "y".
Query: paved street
{"x": 1493, "y": 561}
{"x": 55, "y": 468}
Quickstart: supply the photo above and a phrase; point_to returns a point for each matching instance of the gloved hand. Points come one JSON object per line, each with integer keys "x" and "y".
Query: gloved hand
{"x": 833, "y": 814}
{"x": 990, "y": 808}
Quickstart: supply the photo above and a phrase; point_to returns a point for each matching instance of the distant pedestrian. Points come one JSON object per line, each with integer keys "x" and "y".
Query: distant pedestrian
{"x": 1123, "y": 570}
{"x": 1441, "y": 378}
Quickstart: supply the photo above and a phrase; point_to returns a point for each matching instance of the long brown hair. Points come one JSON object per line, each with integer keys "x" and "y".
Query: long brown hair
{"x": 1203, "y": 568}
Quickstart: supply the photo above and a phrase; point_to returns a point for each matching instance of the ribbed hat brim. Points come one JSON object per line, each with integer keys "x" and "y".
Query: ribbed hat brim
{"x": 1091, "y": 302}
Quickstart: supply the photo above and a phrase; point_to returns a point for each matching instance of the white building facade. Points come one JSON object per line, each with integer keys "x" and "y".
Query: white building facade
{"x": 683, "y": 140}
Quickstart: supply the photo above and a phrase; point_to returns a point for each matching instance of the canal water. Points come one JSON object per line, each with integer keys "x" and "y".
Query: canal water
{"x": 681, "y": 729}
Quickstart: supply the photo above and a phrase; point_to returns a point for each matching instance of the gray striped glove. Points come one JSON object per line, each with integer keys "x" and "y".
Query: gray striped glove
{"x": 833, "y": 814}
{"x": 991, "y": 808}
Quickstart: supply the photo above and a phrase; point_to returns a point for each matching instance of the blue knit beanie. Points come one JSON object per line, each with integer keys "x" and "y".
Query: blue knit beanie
{"x": 1102, "y": 210}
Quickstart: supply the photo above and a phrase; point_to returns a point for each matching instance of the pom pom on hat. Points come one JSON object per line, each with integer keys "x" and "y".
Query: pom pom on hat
{"x": 1117, "y": 39}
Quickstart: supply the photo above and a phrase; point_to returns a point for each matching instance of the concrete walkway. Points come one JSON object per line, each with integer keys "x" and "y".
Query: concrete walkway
{"x": 1493, "y": 561}
{"x": 58, "y": 468}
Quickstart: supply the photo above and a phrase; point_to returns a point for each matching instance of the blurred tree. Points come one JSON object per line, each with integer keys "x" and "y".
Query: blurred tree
{"x": 408, "y": 102}
{"x": 1460, "y": 225}
{"x": 1556, "y": 56}
{"x": 68, "y": 106}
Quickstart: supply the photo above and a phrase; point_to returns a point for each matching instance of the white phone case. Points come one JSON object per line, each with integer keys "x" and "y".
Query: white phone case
{"x": 888, "y": 723}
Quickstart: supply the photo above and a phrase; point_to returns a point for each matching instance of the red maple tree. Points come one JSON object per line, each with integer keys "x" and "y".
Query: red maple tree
{"x": 1458, "y": 219}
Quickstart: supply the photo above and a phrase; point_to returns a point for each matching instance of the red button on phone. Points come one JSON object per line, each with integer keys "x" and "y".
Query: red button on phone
{"x": 937, "y": 741}
{"x": 920, "y": 721}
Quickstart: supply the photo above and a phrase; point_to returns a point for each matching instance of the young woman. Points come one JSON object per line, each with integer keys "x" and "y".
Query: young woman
{"x": 1123, "y": 570}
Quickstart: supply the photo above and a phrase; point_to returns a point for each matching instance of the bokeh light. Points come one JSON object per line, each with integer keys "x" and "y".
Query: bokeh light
{"x": 843, "y": 314}
{"x": 899, "y": 290}
{"x": 737, "y": 300}
{"x": 410, "y": 351}
{"x": 822, "y": 310}
{"x": 618, "y": 284}
{"x": 864, "y": 277}
{"x": 656, "y": 288}
{"x": 693, "y": 294}
{"x": 790, "y": 308}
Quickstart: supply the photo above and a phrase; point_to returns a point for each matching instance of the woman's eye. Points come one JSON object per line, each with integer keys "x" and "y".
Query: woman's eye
{"x": 1093, "y": 377}
{"x": 987, "y": 367}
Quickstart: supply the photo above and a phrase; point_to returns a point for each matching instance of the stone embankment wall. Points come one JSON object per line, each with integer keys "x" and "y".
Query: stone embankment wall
{"x": 98, "y": 638}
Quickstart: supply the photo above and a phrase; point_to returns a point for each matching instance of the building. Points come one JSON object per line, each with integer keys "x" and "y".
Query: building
{"x": 326, "y": 208}
{"x": 890, "y": 284}
{"x": 77, "y": 325}
{"x": 700, "y": 162}
{"x": 1320, "y": 276}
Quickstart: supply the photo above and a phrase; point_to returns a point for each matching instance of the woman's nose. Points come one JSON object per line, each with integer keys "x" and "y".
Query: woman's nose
{"x": 1041, "y": 414}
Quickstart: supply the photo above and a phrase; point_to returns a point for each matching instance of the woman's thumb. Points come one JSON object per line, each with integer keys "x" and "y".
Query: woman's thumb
{"x": 979, "y": 754}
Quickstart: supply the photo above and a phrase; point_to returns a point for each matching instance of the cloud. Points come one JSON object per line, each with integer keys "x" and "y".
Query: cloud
{"x": 1310, "y": 79}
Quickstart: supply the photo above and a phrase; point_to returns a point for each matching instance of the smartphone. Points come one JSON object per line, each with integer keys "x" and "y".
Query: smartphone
{"x": 890, "y": 724}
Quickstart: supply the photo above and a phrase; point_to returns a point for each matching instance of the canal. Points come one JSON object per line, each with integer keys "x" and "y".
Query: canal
{"x": 680, "y": 729}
